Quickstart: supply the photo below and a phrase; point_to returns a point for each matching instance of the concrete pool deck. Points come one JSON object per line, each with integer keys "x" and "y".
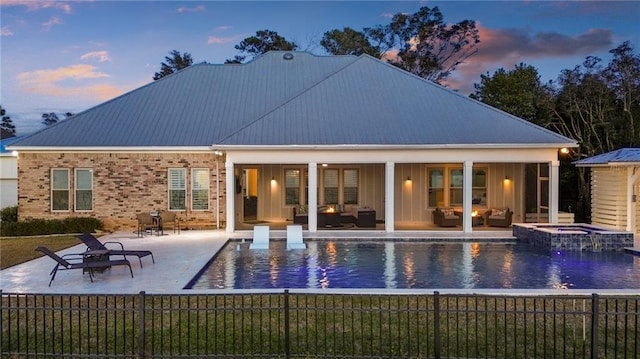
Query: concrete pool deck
{"x": 178, "y": 257}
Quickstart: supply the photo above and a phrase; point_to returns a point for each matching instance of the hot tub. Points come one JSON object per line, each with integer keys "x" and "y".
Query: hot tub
{"x": 572, "y": 237}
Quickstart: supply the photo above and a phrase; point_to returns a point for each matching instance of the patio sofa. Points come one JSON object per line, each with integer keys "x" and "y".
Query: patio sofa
{"x": 348, "y": 214}
{"x": 446, "y": 217}
{"x": 498, "y": 217}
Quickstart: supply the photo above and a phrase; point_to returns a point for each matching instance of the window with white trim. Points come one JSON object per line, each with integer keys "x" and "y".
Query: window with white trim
{"x": 84, "y": 189}
{"x": 436, "y": 187}
{"x": 60, "y": 189}
{"x": 292, "y": 186}
{"x": 200, "y": 189}
{"x": 330, "y": 186}
{"x": 350, "y": 187}
{"x": 177, "y": 189}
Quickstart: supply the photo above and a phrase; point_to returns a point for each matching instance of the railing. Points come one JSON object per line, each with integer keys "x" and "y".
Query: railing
{"x": 303, "y": 325}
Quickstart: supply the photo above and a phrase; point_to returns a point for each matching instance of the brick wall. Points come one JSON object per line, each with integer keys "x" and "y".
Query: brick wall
{"x": 124, "y": 184}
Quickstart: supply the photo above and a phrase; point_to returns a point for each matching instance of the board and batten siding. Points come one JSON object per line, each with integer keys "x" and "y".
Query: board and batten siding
{"x": 608, "y": 197}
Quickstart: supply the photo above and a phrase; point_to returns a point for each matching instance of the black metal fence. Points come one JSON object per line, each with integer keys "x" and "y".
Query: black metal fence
{"x": 303, "y": 325}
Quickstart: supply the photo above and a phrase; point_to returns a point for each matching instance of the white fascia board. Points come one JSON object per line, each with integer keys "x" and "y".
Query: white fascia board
{"x": 405, "y": 155}
{"x": 390, "y": 147}
{"x": 132, "y": 149}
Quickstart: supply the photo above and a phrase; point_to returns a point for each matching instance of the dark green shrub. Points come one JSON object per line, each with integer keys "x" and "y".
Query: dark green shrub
{"x": 34, "y": 227}
{"x": 9, "y": 214}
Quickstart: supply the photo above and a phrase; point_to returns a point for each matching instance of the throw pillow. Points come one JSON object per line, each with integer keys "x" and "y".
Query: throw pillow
{"x": 498, "y": 212}
{"x": 448, "y": 212}
{"x": 302, "y": 209}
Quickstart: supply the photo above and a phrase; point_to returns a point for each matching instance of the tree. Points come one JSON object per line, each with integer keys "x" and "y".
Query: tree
{"x": 263, "y": 42}
{"x": 348, "y": 42}
{"x": 8, "y": 129}
{"x": 623, "y": 77}
{"x": 51, "y": 118}
{"x": 518, "y": 92}
{"x": 426, "y": 46}
{"x": 173, "y": 64}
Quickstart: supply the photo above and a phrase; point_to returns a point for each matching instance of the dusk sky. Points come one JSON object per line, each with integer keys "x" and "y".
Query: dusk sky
{"x": 68, "y": 56}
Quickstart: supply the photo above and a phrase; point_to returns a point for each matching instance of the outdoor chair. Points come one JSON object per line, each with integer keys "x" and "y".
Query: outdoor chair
{"x": 446, "y": 217}
{"x": 146, "y": 222}
{"x": 294, "y": 237}
{"x": 94, "y": 244}
{"x": 169, "y": 218}
{"x": 79, "y": 262}
{"x": 260, "y": 238}
{"x": 498, "y": 217}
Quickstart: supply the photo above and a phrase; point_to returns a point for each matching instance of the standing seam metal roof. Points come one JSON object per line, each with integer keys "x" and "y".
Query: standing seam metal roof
{"x": 307, "y": 100}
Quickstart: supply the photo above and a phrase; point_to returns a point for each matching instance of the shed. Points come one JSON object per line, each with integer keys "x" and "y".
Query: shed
{"x": 615, "y": 185}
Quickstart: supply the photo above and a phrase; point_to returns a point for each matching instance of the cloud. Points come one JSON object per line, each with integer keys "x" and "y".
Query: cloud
{"x": 224, "y": 28}
{"x": 48, "y": 82}
{"x": 102, "y": 56}
{"x": 198, "y": 8}
{"x": 38, "y": 5}
{"x": 4, "y": 31}
{"x": 508, "y": 47}
{"x": 223, "y": 40}
{"x": 52, "y": 22}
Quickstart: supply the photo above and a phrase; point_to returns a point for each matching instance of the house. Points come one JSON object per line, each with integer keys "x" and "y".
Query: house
{"x": 289, "y": 130}
{"x": 615, "y": 185}
{"x": 8, "y": 174}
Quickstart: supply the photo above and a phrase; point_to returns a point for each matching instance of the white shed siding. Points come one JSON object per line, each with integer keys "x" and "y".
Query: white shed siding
{"x": 637, "y": 229}
{"x": 608, "y": 197}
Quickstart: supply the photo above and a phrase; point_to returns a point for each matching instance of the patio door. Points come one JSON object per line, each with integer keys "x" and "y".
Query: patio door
{"x": 536, "y": 192}
{"x": 249, "y": 183}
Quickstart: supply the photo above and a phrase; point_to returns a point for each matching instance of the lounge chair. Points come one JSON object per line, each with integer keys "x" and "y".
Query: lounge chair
{"x": 260, "y": 238}
{"x": 90, "y": 266}
{"x": 294, "y": 237}
{"x": 94, "y": 244}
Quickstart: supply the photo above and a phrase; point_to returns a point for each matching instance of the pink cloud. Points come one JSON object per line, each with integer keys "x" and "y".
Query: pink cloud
{"x": 52, "y": 22}
{"x": 198, "y": 8}
{"x": 222, "y": 40}
{"x": 102, "y": 56}
{"x": 48, "y": 81}
{"x": 508, "y": 47}
{"x": 4, "y": 31}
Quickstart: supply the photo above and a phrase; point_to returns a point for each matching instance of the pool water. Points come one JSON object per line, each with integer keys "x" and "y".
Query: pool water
{"x": 433, "y": 265}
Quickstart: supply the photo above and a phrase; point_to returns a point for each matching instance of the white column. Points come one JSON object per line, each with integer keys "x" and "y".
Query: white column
{"x": 554, "y": 190}
{"x": 313, "y": 197}
{"x": 231, "y": 196}
{"x": 631, "y": 205}
{"x": 467, "y": 186}
{"x": 389, "y": 214}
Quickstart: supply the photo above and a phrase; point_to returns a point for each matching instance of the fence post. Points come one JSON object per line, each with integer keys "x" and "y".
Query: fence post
{"x": 436, "y": 325}
{"x": 594, "y": 326}
{"x": 141, "y": 334}
{"x": 287, "y": 347}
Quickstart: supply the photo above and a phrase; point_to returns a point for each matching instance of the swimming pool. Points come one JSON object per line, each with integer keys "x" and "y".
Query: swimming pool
{"x": 399, "y": 264}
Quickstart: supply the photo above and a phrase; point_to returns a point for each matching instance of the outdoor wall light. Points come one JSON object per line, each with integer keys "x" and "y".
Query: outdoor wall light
{"x": 408, "y": 178}
{"x": 564, "y": 150}
{"x": 506, "y": 178}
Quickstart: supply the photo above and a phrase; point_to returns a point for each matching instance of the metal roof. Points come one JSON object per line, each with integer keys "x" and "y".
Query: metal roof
{"x": 622, "y": 156}
{"x": 305, "y": 100}
{"x": 8, "y": 142}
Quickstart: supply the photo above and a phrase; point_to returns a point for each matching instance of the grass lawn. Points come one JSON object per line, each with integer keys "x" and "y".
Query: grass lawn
{"x": 16, "y": 250}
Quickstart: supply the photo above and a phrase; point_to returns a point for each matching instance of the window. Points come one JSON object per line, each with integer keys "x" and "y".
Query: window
{"x": 84, "y": 190}
{"x": 200, "y": 189}
{"x": 350, "y": 191}
{"x": 292, "y": 187}
{"x": 479, "y": 187}
{"x": 177, "y": 188}
{"x": 331, "y": 186}
{"x": 59, "y": 189}
{"x": 456, "y": 179}
{"x": 436, "y": 187}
